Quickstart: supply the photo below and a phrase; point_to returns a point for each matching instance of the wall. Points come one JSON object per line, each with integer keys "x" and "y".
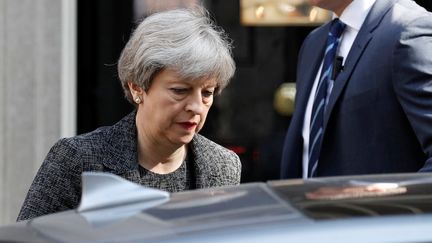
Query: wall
{"x": 36, "y": 97}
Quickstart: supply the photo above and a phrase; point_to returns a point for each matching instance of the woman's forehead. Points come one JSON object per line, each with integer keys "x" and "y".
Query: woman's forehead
{"x": 172, "y": 76}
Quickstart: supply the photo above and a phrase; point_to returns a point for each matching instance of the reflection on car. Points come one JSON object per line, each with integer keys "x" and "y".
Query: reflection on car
{"x": 372, "y": 208}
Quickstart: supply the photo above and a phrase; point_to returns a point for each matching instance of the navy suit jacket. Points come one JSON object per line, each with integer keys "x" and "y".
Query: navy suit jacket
{"x": 379, "y": 115}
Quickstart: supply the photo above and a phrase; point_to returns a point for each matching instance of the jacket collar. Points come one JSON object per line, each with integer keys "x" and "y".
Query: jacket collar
{"x": 121, "y": 152}
{"x": 121, "y": 142}
{"x": 355, "y": 14}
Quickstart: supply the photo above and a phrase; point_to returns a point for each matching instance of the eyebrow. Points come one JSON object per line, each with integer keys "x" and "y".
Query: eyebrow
{"x": 206, "y": 83}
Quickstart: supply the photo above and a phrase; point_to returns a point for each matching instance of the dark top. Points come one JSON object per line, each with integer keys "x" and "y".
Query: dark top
{"x": 57, "y": 185}
{"x": 176, "y": 181}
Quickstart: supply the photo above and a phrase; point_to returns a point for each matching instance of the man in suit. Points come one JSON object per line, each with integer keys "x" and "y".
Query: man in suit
{"x": 377, "y": 109}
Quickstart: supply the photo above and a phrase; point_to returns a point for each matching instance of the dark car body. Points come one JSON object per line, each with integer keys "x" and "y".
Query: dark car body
{"x": 374, "y": 208}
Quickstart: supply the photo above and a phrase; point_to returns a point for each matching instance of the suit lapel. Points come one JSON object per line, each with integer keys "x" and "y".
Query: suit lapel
{"x": 359, "y": 46}
{"x": 313, "y": 57}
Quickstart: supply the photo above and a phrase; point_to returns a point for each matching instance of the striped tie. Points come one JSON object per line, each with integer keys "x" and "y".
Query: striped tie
{"x": 320, "y": 101}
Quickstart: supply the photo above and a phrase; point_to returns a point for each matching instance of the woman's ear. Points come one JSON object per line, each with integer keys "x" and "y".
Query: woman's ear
{"x": 136, "y": 92}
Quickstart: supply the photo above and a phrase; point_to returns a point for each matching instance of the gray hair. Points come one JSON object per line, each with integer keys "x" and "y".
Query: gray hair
{"x": 184, "y": 40}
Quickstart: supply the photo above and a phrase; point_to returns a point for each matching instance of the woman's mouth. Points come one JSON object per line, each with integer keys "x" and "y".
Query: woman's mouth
{"x": 188, "y": 125}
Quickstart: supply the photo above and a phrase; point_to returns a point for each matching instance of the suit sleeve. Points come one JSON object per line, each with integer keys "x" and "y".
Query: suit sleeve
{"x": 56, "y": 186}
{"x": 412, "y": 75}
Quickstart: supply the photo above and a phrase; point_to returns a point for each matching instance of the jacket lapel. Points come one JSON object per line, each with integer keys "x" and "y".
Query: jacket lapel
{"x": 202, "y": 171}
{"x": 313, "y": 57}
{"x": 360, "y": 44}
{"x": 204, "y": 158}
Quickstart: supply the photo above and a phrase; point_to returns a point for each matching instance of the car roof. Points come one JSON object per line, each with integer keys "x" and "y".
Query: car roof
{"x": 255, "y": 210}
{"x": 185, "y": 212}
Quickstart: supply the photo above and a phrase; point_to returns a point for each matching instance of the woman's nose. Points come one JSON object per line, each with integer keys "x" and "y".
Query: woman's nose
{"x": 195, "y": 104}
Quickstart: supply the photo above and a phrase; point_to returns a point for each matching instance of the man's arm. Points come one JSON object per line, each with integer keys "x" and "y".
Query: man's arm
{"x": 412, "y": 75}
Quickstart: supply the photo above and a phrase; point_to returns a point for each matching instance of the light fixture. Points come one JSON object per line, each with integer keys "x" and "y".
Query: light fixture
{"x": 281, "y": 12}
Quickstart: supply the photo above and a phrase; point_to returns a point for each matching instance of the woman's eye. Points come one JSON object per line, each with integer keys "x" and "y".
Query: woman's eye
{"x": 179, "y": 90}
{"x": 207, "y": 93}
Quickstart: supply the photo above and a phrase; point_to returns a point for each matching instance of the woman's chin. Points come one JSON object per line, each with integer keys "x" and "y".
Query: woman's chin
{"x": 184, "y": 139}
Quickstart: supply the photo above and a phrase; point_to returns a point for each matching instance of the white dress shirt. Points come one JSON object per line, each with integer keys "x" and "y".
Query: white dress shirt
{"x": 353, "y": 16}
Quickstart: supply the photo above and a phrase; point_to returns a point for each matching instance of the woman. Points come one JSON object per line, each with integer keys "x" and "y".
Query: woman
{"x": 173, "y": 64}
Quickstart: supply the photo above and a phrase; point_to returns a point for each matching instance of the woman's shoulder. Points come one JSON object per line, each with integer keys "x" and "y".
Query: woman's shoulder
{"x": 102, "y": 137}
{"x": 83, "y": 142}
{"x": 207, "y": 146}
{"x": 74, "y": 151}
{"x": 207, "y": 151}
{"x": 106, "y": 146}
{"x": 223, "y": 164}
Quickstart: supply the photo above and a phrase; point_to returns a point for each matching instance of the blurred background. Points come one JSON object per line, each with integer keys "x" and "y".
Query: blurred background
{"x": 58, "y": 78}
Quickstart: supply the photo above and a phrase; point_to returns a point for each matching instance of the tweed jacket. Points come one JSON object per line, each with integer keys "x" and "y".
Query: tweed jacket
{"x": 57, "y": 185}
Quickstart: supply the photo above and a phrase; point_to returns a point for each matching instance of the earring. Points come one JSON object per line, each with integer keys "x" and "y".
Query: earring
{"x": 137, "y": 100}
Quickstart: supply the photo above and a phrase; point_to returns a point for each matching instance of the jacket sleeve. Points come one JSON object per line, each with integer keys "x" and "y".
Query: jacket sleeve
{"x": 57, "y": 184}
{"x": 412, "y": 67}
{"x": 233, "y": 170}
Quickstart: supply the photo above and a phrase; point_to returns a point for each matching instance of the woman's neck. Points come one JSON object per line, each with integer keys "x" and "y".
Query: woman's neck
{"x": 159, "y": 158}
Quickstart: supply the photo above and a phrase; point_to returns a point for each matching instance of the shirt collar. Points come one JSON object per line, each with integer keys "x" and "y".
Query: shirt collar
{"x": 355, "y": 14}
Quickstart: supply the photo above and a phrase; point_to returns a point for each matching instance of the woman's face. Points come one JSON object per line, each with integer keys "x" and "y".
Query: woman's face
{"x": 174, "y": 109}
